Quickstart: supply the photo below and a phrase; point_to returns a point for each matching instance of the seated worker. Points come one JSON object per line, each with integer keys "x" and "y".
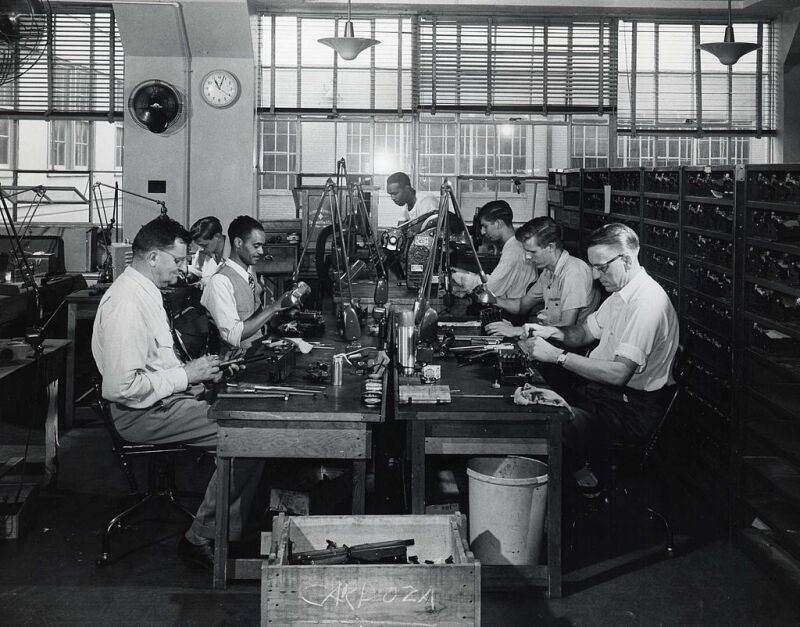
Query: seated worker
{"x": 398, "y": 186}
{"x": 513, "y": 274}
{"x": 565, "y": 286}
{"x": 233, "y": 296}
{"x": 207, "y": 235}
{"x": 145, "y": 382}
{"x": 622, "y": 388}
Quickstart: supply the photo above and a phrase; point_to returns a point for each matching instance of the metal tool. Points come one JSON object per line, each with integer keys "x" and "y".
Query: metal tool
{"x": 276, "y": 388}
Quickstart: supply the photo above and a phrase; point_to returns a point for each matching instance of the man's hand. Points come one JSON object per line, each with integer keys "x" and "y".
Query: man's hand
{"x": 205, "y": 368}
{"x": 505, "y": 328}
{"x": 543, "y": 317}
{"x": 540, "y": 350}
{"x": 533, "y": 329}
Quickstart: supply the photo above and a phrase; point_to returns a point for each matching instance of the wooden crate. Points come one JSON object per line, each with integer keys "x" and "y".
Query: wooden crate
{"x": 372, "y": 594}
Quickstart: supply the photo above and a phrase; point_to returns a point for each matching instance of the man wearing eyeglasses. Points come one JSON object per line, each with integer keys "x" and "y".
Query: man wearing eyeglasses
{"x": 622, "y": 387}
{"x": 233, "y": 296}
{"x": 146, "y": 382}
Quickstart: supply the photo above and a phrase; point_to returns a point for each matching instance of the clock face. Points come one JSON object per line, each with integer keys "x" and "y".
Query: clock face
{"x": 220, "y": 88}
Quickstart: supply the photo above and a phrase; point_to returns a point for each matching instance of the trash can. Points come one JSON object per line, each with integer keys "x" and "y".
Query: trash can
{"x": 507, "y": 503}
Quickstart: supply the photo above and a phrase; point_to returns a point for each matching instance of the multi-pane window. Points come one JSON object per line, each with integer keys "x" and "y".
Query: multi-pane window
{"x": 437, "y": 154}
{"x": 278, "y": 154}
{"x": 359, "y": 151}
{"x": 589, "y": 146}
{"x": 492, "y": 150}
{"x": 672, "y": 151}
{"x": 69, "y": 144}
{"x": 392, "y": 147}
{"x": 118, "y": 146}
{"x": 5, "y": 142}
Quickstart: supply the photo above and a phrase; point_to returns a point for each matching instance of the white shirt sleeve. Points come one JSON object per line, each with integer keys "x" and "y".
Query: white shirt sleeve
{"x": 512, "y": 275}
{"x": 218, "y": 298}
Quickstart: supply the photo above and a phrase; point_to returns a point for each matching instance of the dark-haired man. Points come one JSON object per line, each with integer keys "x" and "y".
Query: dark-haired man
{"x": 398, "y": 186}
{"x": 565, "y": 287}
{"x": 623, "y": 386}
{"x": 233, "y": 296}
{"x": 144, "y": 380}
{"x": 513, "y": 274}
{"x": 207, "y": 235}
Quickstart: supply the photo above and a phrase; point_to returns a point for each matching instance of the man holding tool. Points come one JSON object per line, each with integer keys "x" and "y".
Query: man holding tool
{"x": 233, "y": 296}
{"x": 145, "y": 381}
{"x": 207, "y": 235}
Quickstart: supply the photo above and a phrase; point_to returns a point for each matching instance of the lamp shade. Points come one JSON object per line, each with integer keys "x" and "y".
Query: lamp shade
{"x": 729, "y": 51}
{"x": 349, "y": 46}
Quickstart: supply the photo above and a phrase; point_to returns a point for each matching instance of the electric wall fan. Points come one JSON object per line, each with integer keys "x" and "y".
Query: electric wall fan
{"x": 156, "y": 106}
{"x": 23, "y": 36}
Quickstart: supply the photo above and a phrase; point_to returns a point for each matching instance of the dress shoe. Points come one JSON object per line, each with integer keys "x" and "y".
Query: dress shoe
{"x": 198, "y": 555}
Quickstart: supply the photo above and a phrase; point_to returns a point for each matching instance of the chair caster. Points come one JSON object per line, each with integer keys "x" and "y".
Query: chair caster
{"x": 102, "y": 560}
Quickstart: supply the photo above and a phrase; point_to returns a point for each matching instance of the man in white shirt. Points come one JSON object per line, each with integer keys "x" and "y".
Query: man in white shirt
{"x": 233, "y": 296}
{"x": 145, "y": 381}
{"x": 398, "y": 186}
{"x": 565, "y": 288}
{"x": 625, "y": 381}
{"x": 207, "y": 235}
{"x": 514, "y": 274}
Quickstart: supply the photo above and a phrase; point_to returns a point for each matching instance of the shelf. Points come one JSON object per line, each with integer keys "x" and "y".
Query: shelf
{"x": 710, "y": 200}
{"x": 723, "y": 372}
{"x": 773, "y": 285}
{"x": 717, "y": 299}
{"x": 665, "y": 251}
{"x": 709, "y": 233}
{"x": 660, "y": 196}
{"x": 696, "y": 261}
{"x": 791, "y": 329}
{"x": 783, "y": 437}
{"x": 571, "y": 189}
{"x": 783, "y": 247}
{"x": 789, "y": 367}
{"x": 595, "y": 212}
{"x": 784, "y": 398}
{"x": 787, "y": 207}
{"x": 776, "y": 471}
{"x": 724, "y": 335}
{"x": 593, "y": 190}
{"x": 624, "y": 192}
{"x": 624, "y": 216}
{"x": 571, "y": 208}
{"x": 652, "y": 222}
{"x": 662, "y": 277}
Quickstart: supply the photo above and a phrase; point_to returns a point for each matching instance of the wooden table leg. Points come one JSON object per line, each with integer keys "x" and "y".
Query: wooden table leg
{"x": 359, "y": 485}
{"x": 554, "y": 465}
{"x": 222, "y": 519}
{"x": 416, "y": 444}
{"x": 69, "y": 392}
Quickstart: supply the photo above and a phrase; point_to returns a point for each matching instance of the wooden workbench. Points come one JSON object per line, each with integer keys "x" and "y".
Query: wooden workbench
{"x": 334, "y": 424}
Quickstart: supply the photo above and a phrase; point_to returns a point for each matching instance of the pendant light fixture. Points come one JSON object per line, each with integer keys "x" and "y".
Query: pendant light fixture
{"x": 348, "y": 45}
{"x": 729, "y": 51}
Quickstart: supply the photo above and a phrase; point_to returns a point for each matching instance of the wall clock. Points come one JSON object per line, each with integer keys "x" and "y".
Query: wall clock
{"x": 220, "y": 88}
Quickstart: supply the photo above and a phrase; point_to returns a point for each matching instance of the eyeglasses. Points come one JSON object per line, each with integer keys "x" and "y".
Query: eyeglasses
{"x": 602, "y": 268}
{"x": 179, "y": 261}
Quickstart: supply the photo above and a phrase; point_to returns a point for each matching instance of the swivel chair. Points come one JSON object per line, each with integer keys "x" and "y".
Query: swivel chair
{"x": 629, "y": 461}
{"x": 160, "y": 475}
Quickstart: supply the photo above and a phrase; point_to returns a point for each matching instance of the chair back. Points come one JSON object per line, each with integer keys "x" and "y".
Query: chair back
{"x": 678, "y": 370}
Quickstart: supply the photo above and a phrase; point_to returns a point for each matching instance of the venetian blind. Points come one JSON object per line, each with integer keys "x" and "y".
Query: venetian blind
{"x": 526, "y": 65}
{"x": 668, "y": 85}
{"x": 79, "y": 74}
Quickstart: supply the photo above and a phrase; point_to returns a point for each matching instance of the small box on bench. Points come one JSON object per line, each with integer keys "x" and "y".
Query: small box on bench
{"x": 446, "y": 592}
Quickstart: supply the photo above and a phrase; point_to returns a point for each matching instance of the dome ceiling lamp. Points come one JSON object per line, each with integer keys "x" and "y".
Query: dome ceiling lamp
{"x": 729, "y": 51}
{"x": 348, "y": 45}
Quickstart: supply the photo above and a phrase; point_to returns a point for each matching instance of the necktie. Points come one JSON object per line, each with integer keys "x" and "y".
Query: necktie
{"x": 252, "y": 283}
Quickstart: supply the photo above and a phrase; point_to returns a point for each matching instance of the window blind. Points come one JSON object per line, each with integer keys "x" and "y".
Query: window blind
{"x": 667, "y": 85}
{"x": 79, "y": 74}
{"x": 543, "y": 66}
{"x": 300, "y": 75}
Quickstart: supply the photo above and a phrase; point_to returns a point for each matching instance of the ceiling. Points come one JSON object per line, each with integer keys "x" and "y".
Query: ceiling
{"x": 609, "y": 8}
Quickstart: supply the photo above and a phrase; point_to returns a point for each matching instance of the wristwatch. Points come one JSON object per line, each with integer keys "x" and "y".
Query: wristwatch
{"x": 562, "y": 358}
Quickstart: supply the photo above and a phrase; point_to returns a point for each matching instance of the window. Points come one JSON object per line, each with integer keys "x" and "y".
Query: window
{"x": 437, "y": 154}
{"x": 672, "y": 151}
{"x": 5, "y": 142}
{"x": 589, "y": 146}
{"x": 278, "y": 154}
{"x": 69, "y": 144}
{"x": 492, "y": 150}
{"x": 392, "y": 147}
{"x": 650, "y": 151}
{"x": 118, "y": 145}
{"x": 670, "y": 84}
{"x": 359, "y": 152}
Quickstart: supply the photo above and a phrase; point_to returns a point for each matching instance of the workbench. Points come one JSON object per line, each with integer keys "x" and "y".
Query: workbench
{"x": 81, "y": 305}
{"x": 489, "y": 426}
{"x": 16, "y": 374}
{"x": 334, "y": 424}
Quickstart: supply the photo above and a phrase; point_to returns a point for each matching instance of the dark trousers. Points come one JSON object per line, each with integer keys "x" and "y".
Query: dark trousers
{"x": 604, "y": 415}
